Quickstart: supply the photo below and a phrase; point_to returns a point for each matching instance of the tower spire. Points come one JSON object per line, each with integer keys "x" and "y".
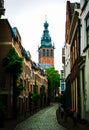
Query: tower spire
{"x": 45, "y": 18}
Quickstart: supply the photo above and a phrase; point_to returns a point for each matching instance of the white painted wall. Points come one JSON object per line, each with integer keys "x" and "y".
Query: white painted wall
{"x": 67, "y": 60}
{"x": 87, "y": 80}
{"x": 83, "y": 45}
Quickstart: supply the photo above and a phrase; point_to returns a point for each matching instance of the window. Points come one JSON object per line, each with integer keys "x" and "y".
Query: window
{"x": 43, "y": 52}
{"x": 51, "y": 52}
{"x": 2, "y": 82}
{"x": 87, "y": 30}
{"x": 73, "y": 54}
{"x": 47, "y": 52}
{"x": 75, "y": 49}
{"x": 86, "y": 0}
{"x": 63, "y": 51}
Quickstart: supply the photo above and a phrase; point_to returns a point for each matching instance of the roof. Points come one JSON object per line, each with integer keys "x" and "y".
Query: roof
{"x": 46, "y": 39}
{"x": 16, "y": 33}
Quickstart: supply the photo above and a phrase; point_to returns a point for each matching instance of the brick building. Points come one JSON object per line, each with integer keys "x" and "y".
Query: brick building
{"x": 74, "y": 47}
{"x": 71, "y": 55}
{"x": 10, "y": 37}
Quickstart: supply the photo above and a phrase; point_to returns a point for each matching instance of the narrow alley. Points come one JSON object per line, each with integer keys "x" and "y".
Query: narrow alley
{"x": 43, "y": 120}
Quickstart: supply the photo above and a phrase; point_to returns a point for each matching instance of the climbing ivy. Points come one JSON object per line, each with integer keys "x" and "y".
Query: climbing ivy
{"x": 13, "y": 62}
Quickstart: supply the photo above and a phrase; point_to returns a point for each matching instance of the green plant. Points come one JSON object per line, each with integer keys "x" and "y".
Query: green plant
{"x": 36, "y": 96}
{"x": 30, "y": 94}
{"x": 13, "y": 63}
{"x": 21, "y": 87}
{"x": 53, "y": 83}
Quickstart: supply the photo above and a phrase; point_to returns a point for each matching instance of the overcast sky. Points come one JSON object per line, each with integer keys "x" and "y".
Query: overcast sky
{"x": 29, "y": 16}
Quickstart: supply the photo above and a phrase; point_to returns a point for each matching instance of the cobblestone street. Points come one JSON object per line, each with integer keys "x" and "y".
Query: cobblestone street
{"x": 43, "y": 120}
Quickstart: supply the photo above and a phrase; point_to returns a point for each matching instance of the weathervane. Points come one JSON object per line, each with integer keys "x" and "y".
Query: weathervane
{"x": 2, "y": 10}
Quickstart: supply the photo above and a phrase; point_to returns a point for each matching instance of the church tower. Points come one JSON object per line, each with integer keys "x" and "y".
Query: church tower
{"x": 46, "y": 50}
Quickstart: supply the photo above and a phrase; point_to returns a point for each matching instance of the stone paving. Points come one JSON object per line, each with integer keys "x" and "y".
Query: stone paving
{"x": 43, "y": 120}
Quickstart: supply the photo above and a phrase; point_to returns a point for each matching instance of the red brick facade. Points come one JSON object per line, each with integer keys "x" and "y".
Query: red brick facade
{"x": 7, "y": 41}
{"x": 47, "y": 60}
